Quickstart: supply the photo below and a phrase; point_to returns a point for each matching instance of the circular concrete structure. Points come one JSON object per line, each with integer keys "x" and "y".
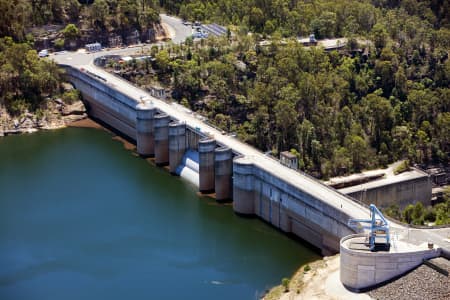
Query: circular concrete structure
{"x": 362, "y": 269}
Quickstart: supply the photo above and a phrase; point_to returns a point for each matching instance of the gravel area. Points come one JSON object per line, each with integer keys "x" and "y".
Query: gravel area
{"x": 421, "y": 283}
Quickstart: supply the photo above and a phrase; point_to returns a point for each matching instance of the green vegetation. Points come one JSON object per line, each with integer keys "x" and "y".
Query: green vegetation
{"x": 326, "y": 18}
{"x": 71, "y": 96}
{"x": 417, "y": 214}
{"x": 285, "y": 283}
{"x": 307, "y": 268}
{"x": 402, "y": 167}
{"x": 25, "y": 79}
{"x": 115, "y": 16}
{"x": 385, "y": 97}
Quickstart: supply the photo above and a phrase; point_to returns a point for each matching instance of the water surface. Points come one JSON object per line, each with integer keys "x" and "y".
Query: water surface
{"x": 83, "y": 218}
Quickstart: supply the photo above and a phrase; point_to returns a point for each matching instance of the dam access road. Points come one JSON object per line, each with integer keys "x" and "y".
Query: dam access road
{"x": 305, "y": 206}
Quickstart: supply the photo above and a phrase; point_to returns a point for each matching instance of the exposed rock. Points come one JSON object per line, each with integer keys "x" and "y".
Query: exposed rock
{"x": 76, "y": 108}
{"x": 54, "y": 114}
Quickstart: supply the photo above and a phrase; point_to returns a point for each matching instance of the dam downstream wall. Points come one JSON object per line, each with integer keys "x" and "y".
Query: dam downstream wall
{"x": 253, "y": 189}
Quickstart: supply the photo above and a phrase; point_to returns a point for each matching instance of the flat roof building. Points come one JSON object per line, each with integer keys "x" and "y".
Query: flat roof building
{"x": 289, "y": 160}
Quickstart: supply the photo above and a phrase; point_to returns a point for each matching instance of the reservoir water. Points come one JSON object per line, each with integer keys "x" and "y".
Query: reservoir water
{"x": 83, "y": 218}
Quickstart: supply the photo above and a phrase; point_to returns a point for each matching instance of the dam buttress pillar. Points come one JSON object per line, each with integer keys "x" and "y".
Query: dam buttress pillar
{"x": 145, "y": 143}
{"x": 177, "y": 144}
{"x": 206, "y": 149}
{"x": 161, "y": 129}
{"x": 243, "y": 186}
{"x": 223, "y": 167}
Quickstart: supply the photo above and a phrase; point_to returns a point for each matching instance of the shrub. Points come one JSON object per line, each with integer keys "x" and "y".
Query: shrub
{"x": 285, "y": 283}
{"x": 430, "y": 215}
{"x": 393, "y": 211}
{"x": 403, "y": 167}
{"x": 407, "y": 213}
{"x": 71, "y": 96}
{"x": 59, "y": 44}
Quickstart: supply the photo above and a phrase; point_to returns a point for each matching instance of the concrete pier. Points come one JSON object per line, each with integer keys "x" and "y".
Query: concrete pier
{"x": 223, "y": 167}
{"x": 161, "y": 129}
{"x": 177, "y": 145}
{"x": 145, "y": 142}
{"x": 243, "y": 186}
{"x": 206, "y": 149}
{"x": 192, "y": 139}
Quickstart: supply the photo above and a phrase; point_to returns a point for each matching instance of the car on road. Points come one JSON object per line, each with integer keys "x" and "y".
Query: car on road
{"x": 43, "y": 53}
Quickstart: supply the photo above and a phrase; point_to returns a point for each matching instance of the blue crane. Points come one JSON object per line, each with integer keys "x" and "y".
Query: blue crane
{"x": 377, "y": 226}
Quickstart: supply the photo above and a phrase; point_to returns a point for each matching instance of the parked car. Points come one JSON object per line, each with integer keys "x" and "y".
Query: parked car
{"x": 43, "y": 53}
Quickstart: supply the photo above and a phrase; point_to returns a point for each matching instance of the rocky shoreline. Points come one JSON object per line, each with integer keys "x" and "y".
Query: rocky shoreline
{"x": 53, "y": 115}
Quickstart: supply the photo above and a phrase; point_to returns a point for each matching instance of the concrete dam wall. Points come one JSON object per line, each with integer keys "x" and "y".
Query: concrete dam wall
{"x": 188, "y": 152}
{"x": 214, "y": 167}
{"x": 258, "y": 191}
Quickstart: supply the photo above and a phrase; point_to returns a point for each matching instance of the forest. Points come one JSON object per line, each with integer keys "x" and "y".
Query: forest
{"x": 25, "y": 80}
{"x": 99, "y": 16}
{"x": 325, "y": 18}
{"x": 383, "y": 98}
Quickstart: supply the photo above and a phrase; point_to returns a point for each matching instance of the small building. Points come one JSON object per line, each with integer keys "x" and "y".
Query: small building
{"x": 157, "y": 92}
{"x": 289, "y": 160}
{"x": 94, "y": 47}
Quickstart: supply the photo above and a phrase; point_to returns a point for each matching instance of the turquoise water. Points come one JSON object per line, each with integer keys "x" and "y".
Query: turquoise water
{"x": 83, "y": 218}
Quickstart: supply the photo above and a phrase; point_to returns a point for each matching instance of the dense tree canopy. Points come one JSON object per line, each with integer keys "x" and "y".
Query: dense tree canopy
{"x": 25, "y": 80}
{"x": 384, "y": 98}
{"x": 119, "y": 16}
{"x": 325, "y": 18}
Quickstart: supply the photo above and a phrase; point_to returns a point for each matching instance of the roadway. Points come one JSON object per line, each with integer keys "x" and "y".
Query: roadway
{"x": 310, "y": 185}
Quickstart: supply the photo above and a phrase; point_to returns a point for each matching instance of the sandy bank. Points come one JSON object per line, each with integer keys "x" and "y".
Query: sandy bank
{"x": 321, "y": 281}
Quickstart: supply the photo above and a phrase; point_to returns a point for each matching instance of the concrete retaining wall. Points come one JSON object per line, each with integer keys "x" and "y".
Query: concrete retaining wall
{"x": 360, "y": 270}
